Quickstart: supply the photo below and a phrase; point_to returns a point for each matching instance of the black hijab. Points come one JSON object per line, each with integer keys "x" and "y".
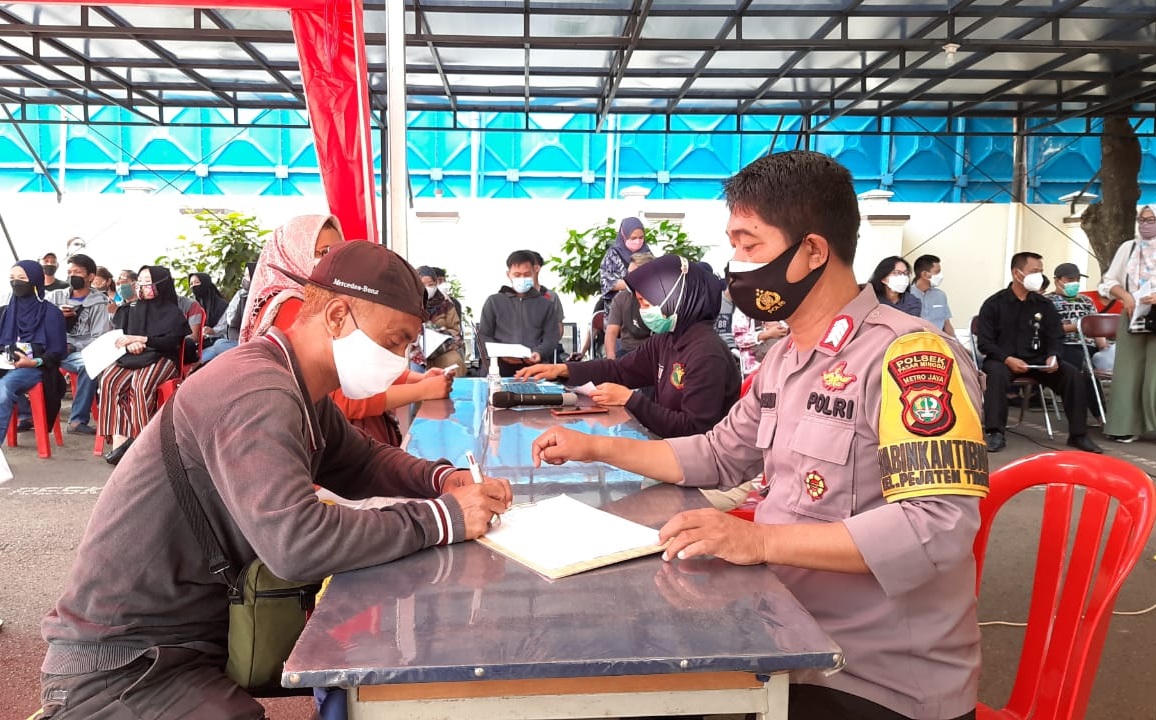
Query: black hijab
{"x": 161, "y": 314}
{"x": 210, "y": 298}
{"x": 659, "y": 282}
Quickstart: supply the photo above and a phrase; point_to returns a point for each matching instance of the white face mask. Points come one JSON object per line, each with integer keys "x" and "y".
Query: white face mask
{"x": 430, "y": 290}
{"x": 365, "y": 368}
{"x": 1034, "y": 282}
{"x": 522, "y": 285}
{"x": 937, "y": 280}
{"x": 898, "y": 283}
{"x": 445, "y": 288}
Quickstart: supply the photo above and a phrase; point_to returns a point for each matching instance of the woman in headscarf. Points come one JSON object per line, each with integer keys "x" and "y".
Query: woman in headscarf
{"x": 296, "y": 246}
{"x": 275, "y": 299}
{"x": 443, "y": 318}
{"x": 693, "y": 374}
{"x": 154, "y": 335}
{"x": 33, "y": 337}
{"x": 205, "y": 292}
{"x": 1131, "y": 280}
{"x": 631, "y": 239}
{"x": 892, "y": 283}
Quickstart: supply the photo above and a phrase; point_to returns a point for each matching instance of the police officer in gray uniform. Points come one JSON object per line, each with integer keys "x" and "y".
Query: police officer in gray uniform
{"x": 865, "y": 425}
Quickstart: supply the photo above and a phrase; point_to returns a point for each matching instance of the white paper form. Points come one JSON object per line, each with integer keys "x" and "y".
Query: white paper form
{"x": 510, "y": 350}
{"x": 587, "y": 389}
{"x": 563, "y": 536}
{"x": 102, "y": 352}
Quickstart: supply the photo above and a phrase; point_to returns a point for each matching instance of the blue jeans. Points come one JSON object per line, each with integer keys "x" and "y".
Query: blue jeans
{"x": 14, "y": 384}
{"x": 85, "y": 389}
{"x": 216, "y": 349}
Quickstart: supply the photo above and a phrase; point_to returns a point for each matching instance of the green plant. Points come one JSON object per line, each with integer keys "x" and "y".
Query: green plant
{"x": 230, "y": 241}
{"x": 580, "y": 260}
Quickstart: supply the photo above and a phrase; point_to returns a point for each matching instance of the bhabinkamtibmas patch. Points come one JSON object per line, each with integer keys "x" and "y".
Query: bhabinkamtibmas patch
{"x": 930, "y": 437}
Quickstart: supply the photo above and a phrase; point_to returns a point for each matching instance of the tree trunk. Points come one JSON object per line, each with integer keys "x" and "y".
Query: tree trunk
{"x": 1112, "y": 221}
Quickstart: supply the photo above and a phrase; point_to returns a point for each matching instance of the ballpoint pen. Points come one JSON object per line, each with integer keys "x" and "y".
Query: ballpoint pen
{"x": 476, "y": 472}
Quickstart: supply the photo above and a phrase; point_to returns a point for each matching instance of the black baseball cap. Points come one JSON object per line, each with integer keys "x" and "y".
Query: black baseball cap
{"x": 368, "y": 271}
{"x": 1068, "y": 270}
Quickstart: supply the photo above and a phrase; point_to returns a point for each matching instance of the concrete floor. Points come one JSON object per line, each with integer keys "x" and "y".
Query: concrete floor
{"x": 43, "y": 512}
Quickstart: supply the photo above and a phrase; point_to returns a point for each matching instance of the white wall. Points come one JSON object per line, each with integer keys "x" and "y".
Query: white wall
{"x": 975, "y": 242}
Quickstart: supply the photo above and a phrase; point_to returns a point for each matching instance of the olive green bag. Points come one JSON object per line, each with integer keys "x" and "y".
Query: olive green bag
{"x": 266, "y": 613}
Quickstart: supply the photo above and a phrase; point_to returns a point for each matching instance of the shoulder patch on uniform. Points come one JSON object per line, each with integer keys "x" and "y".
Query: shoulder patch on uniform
{"x": 838, "y": 332}
{"x": 930, "y": 436}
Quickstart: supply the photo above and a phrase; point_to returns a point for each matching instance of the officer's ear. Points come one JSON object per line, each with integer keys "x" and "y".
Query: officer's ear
{"x": 816, "y": 249}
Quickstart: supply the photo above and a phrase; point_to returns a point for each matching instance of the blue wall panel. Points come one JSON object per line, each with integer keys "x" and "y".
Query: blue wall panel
{"x": 556, "y": 156}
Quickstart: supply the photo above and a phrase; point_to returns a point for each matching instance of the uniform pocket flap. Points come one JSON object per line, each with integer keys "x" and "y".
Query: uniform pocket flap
{"x": 821, "y": 440}
{"x": 768, "y": 419}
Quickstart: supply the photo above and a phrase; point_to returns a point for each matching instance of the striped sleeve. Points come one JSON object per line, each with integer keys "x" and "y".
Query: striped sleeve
{"x": 438, "y": 477}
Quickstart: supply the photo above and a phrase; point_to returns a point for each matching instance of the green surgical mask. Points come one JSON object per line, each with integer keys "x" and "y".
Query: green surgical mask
{"x": 1071, "y": 289}
{"x": 653, "y": 318}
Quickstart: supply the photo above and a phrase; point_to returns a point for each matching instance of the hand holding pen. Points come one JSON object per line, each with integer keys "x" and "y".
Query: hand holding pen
{"x": 482, "y": 499}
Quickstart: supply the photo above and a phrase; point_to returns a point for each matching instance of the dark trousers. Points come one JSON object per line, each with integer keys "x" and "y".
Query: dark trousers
{"x": 812, "y": 702}
{"x": 1066, "y": 382}
{"x": 1074, "y": 356}
{"x": 168, "y": 683}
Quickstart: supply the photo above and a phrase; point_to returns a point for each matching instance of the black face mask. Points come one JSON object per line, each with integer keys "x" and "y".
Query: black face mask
{"x": 49, "y": 270}
{"x": 22, "y": 288}
{"x": 76, "y": 282}
{"x": 764, "y": 293}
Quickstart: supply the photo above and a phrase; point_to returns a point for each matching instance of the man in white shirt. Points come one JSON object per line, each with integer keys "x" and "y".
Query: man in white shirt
{"x": 928, "y": 276}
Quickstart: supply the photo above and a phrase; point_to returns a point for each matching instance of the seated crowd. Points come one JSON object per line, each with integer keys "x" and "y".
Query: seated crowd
{"x": 675, "y": 346}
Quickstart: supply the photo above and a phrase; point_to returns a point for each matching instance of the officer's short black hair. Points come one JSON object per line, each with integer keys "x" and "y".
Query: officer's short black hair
{"x": 924, "y": 263}
{"x": 83, "y": 261}
{"x": 800, "y": 192}
{"x": 1021, "y": 258}
{"x": 48, "y": 255}
{"x": 520, "y": 257}
{"x": 129, "y": 274}
{"x": 538, "y": 260}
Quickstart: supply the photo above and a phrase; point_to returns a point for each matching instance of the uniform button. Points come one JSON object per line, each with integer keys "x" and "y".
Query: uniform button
{"x": 874, "y": 314}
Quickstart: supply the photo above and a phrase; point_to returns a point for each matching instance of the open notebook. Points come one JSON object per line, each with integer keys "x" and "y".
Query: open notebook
{"x": 563, "y": 536}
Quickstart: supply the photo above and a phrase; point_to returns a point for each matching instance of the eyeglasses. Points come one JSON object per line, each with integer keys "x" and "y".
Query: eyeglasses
{"x": 1146, "y": 220}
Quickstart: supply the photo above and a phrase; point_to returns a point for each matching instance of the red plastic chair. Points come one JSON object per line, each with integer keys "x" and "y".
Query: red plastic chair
{"x": 196, "y": 316}
{"x": 39, "y": 424}
{"x": 1070, "y": 611}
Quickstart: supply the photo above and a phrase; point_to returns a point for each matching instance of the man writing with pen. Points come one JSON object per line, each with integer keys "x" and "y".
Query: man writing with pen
{"x": 255, "y": 430}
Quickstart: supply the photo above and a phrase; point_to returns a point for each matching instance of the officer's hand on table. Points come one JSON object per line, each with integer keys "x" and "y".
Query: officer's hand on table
{"x": 435, "y": 386}
{"x": 611, "y": 394}
{"x": 479, "y": 502}
{"x": 558, "y": 445}
{"x": 712, "y": 532}
{"x": 1017, "y": 366}
{"x": 541, "y": 372}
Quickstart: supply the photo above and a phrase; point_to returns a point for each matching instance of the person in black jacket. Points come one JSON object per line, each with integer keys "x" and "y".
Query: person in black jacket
{"x": 33, "y": 338}
{"x": 1019, "y": 334}
{"x": 154, "y": 334}
{"x": 694, "y": 377}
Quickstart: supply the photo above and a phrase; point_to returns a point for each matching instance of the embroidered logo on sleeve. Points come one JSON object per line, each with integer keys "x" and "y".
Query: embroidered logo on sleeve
{"x": 816, "y": 485}
{"x": 923, "y": 378}
{"x": 678, "y": 375}
{"x": 837, "y": 378}
{"x": 930, "y": 436}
